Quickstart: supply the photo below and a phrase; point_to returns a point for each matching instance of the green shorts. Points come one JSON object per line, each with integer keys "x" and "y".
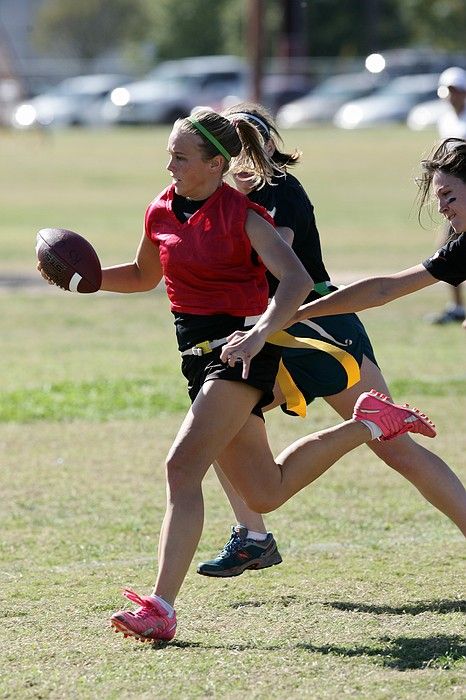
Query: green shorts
{"x": 317, "y": 372}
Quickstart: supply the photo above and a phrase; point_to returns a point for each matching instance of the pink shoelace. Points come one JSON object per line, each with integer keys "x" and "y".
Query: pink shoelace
{"x": 144, "y": 602}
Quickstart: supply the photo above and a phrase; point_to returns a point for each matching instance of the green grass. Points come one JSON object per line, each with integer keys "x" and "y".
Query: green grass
{"x": 370, "y": 600}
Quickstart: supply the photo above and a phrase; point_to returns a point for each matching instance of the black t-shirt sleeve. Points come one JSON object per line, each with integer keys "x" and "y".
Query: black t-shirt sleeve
{"x": 448, "y": 264}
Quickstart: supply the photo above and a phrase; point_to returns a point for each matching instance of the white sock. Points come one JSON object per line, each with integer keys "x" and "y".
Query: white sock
{"x": 258, "y": 536}
{"x": 376, "y": 432}
{"x": 166, "y": 606}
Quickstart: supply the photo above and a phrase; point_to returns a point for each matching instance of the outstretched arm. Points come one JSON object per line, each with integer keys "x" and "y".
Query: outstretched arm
{"x": 369, "y": 292}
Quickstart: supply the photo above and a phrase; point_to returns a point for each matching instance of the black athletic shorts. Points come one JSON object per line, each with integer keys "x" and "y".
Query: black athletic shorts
{"x": 262, "y": 372}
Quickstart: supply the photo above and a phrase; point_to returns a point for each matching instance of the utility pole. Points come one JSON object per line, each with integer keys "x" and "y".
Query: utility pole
{"x": 292, "y": 40}
{"x": 255, "y": 43}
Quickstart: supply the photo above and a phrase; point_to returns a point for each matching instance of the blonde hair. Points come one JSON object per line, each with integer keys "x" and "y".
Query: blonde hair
{"x": 261, "y": 117}
{"x": 238, "y": 138}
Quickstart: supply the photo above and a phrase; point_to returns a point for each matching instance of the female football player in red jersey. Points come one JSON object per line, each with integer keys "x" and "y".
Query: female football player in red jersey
{"x": 212, "y": 246}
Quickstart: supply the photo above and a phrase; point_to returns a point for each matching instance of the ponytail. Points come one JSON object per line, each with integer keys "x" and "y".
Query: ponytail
{"x": 234, "y": 139}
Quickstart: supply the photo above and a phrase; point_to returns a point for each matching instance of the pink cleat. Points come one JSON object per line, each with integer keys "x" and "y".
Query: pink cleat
{"x": 392, "y": 419}
{"x": 148, "y": 623}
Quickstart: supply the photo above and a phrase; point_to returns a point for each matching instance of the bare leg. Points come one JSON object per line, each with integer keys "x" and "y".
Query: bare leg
{"x": 201, "y": 436}
{"x": 425, "y": 470}
{"x": 249, "y": 465}
{"x": 243, "y": 515}
{"x": 457, "y": 295}
{"x": 430, "y": 475}
{"x": 220, "y": 423}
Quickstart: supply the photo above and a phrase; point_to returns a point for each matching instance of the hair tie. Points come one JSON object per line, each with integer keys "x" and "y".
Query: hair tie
{"x": 260, "y": 124}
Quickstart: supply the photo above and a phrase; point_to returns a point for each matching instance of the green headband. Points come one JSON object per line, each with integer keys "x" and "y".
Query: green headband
{"x": 210, "y": 137}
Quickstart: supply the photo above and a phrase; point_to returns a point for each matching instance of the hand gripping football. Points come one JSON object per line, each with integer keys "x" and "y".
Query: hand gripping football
{"x": 68, "y": 260}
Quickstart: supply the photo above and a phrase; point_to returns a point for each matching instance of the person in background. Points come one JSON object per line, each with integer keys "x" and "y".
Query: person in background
{"x": 337, "y": 363}
{"x": 452, "y": 123}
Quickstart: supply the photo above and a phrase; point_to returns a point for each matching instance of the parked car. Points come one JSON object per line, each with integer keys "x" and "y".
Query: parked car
{"x": 389, "y": 104}
{"x": 73, "y": 102}
{"x": 321, "y": 103}
{"x": 280, "y": 88}
{"x": 426, "y": 114}
{"x": 277, "y": 89}
{"x": 174, "y": 88}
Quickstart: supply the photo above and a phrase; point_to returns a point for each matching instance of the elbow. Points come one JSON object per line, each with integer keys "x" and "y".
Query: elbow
{"x": 145, "y": 282}
{"x": 147, "y": 286}
{"x": 305, "y": 283}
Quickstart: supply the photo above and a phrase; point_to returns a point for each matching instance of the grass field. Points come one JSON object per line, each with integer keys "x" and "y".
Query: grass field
{"x": 370, "y": 600}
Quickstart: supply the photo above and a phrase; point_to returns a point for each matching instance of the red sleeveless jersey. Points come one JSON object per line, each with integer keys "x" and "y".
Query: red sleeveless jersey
{"x": 208, "y": 262}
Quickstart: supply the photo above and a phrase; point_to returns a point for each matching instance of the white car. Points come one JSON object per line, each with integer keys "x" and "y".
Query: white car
{"x": 426, "y": 114}
{"x": 390, "y": 104}
{"x": 73, "y": 102}
{"x": 321, "y": 103}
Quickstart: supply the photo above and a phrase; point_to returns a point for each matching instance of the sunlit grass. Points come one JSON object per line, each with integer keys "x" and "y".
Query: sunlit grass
{"x": 369, "y": 602}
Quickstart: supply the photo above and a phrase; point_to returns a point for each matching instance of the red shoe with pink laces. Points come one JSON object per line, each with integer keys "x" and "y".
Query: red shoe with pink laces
{"x": 150, "y": 622}
{"x": 392, "y": 419}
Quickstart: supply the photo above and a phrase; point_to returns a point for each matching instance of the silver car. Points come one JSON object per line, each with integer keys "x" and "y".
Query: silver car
{"x": 73, "y": 102}
{"x": 174, "y": 88}
{"x": 321, "y": 103}
{"x": 389, "y": 104}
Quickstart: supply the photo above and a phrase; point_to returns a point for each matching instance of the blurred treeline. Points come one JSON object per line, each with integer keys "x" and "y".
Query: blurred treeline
{"x": 178, "y": 28}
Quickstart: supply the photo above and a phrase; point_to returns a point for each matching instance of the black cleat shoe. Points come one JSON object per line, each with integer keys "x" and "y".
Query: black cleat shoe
{"x": 448, "y": 315}
{"x": 240, "y": 554}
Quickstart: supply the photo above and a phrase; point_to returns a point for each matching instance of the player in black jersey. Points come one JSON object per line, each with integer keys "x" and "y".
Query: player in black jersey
{"x": 340, "y": 361}
{"x": 444, "y": 176}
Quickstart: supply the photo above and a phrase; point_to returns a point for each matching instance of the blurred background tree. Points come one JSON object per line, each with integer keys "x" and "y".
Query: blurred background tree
{"x": 203, "y": 27}
{"x": 87, "y": 28}
{"x": 437, "y": 23}
{"x": 354, "y": 27}
{"x": 192, "y": 28}
{"x": 341, "y": 28}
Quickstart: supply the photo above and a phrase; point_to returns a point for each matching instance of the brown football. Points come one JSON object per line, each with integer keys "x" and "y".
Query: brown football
{"x": 68, "y": 260}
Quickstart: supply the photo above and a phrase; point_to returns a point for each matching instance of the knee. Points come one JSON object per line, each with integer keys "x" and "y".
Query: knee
{"x": 262, "y": 502}
{"x": 180, "y": 477}
{"x": 401, "y": 454}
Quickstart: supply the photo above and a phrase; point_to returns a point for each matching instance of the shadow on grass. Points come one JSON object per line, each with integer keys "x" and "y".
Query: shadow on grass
{"x": 404, "y": 653}
{"x": 436, "y": 606}
{"x": 284, "y": 601}
{"x": 401, "y": 653}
